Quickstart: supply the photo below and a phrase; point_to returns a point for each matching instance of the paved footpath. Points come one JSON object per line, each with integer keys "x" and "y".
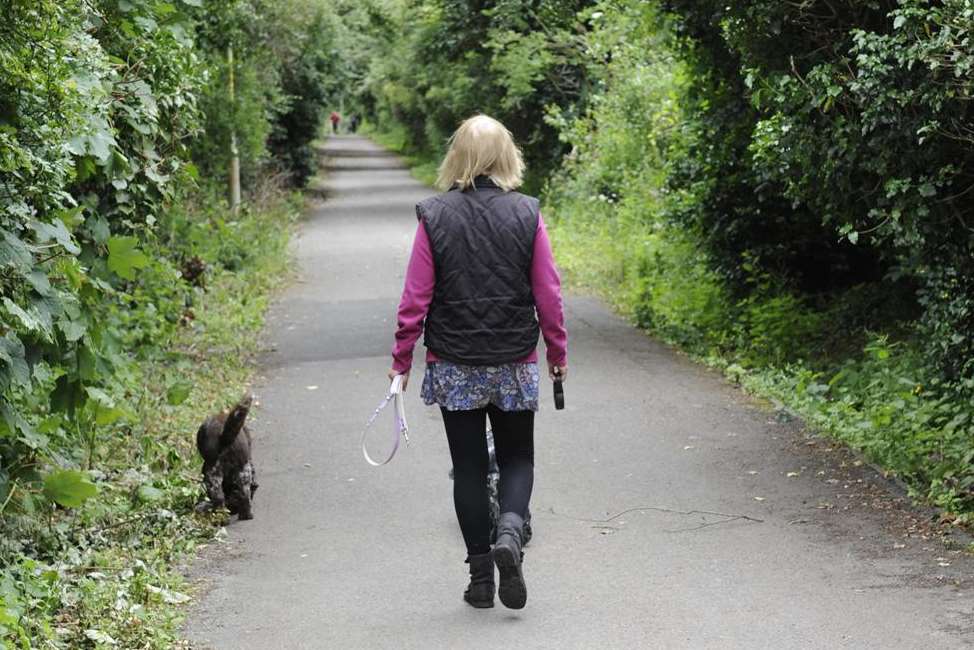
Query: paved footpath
{"x": 342, "y": 555}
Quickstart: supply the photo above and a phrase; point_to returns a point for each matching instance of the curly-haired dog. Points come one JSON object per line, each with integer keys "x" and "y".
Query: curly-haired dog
{"x": 228, "y": 473}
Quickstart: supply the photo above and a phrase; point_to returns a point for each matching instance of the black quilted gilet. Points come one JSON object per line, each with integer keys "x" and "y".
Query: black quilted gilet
{"x": 483, "y": 310}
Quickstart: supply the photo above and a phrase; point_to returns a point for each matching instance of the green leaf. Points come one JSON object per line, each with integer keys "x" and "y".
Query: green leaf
{"x": 73, "y": 330}
{"x": 192, "y": 171}
{"x": 69, "y": 487}
{"x": 146, "y": 23}
{"x": 100, "y": 637}
{"x": 46, "y": 309}
{"x": 124, "y": 257}
{"x": 33, "y": 438}
{"x": 14, "y": 357}
{"x": 85, "y": 168}
{"x": 51, "y": 424}
{"x": 155, "y": 176}
{"x": 8, "y": 617}
{"x": 100, "y": 396}
{"x": 178, "y": 393}
{"x": 97, "y": 225}
{"x": 87, "y": 363}
{"x": 898, "y": 21}
{"x": 105, "y": 416}
{"x": 164, "y": 9}
{"x": 29, "y": 320}
{"x": 102, "y": 407}
{"x": 14, "y": 252}
{"x": 38, "y": 280}
{"x": 55, "y": 231}
{"x": 11, "y": 422}
{"x": 149, "y": 493}
{"x": 99, "y": 141}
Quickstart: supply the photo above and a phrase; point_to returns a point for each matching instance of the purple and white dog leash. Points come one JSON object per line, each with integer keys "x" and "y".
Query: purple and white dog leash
{"x": 401, "y": 429}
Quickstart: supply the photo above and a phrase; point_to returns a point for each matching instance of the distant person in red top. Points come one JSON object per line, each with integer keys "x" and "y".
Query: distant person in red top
{"x": 335, "y": 119}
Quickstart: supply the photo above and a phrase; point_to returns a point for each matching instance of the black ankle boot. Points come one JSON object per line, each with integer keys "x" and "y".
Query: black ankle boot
{"x": 508, "y": 557}
{"x": 480, "y": 591}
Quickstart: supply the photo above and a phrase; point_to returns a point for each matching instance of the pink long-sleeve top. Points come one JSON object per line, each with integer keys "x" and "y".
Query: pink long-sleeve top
{"x": 418, "y": 293}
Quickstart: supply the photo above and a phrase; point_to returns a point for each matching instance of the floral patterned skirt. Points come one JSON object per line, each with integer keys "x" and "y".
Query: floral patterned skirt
{"x": 456, "y": 387}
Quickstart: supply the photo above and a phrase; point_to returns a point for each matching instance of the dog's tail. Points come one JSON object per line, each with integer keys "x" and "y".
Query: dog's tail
{"x": 235, "y": 421}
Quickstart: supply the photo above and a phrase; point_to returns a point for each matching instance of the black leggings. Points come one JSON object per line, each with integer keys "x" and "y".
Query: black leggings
{"x": 466, "y": 431}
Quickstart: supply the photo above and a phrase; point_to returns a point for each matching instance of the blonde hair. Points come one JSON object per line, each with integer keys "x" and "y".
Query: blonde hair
{"x": 481, "y": 146}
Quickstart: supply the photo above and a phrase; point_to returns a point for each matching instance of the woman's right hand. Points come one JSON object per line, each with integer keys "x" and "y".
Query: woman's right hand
{"x": 405, "y": 376}
{"x": 557, "y": 373}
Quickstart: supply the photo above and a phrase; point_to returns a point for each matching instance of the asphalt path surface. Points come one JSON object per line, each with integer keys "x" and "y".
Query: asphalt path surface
{"x": 670, "y": 510}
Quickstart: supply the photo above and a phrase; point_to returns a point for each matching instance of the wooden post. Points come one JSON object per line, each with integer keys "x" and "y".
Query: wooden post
{"x": 234, "y": 153}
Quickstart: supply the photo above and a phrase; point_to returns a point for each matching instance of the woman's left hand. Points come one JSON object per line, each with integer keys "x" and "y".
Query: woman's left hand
{"x": 405, "y": 376}
{"x": 557, "y": 373}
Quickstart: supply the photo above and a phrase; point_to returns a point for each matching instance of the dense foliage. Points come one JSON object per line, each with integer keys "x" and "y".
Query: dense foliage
{"x": 835, "y": 147}
{"x": 449, "y": 59}
{"x": 783, "y": 188}
{"x": 115, "y": 244}
{"x": 286, "y": 71}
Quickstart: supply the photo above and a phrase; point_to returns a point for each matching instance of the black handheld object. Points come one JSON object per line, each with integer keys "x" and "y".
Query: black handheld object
{"x": 559, "y": 391}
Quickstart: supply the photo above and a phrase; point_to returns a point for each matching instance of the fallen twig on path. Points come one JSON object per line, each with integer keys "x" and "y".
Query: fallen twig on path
{"x": 727, "y": 517}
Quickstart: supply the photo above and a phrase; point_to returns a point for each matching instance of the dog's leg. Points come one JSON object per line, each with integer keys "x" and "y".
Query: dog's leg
{"x": 246, "y": 487}
{"x": 231, "y": 487}
{"x": 213, "y": 483}
{"x": 493, "y": 476}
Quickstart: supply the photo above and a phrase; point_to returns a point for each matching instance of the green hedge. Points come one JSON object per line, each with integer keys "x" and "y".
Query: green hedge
{"x": 113, "y": 115}
{"x": 116, "y": 245}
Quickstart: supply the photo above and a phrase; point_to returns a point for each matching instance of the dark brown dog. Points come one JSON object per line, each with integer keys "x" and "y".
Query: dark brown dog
{"x": 228, "y": 473}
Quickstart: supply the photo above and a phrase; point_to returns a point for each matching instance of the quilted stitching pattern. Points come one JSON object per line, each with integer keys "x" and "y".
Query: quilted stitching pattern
{"x": 483, "y": 309}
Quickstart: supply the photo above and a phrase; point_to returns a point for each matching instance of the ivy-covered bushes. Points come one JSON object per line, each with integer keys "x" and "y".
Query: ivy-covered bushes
{"x": 829, "y": 148}
{"x": 96, "y": 113}
{"x": 100, "y": 112}
{"x": 104, "y": 571}
{"x": 116, "y": 248}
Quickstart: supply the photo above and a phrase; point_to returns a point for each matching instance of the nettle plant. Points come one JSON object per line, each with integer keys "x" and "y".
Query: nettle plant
{"x": 96, "y": 101}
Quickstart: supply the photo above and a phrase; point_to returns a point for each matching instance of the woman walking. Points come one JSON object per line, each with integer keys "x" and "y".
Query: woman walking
{"x": 482, "y": 284}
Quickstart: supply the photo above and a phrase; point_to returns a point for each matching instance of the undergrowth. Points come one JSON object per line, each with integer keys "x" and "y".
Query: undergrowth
{"x": 106, "y": 572}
